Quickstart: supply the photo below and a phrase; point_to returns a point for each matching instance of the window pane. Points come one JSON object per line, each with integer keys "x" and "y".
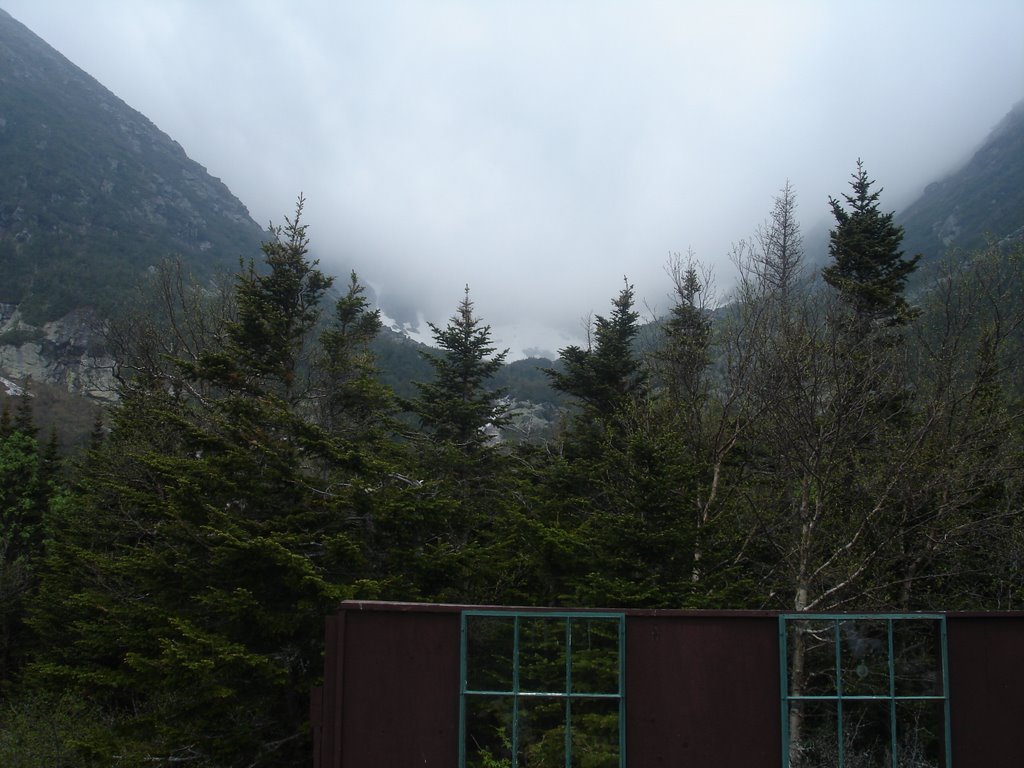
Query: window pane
{"x": 812, "y": 660}
{"x": 884, "y": 663}
{"x": 534, "y": 701}
{"x": 541, "y": 732}
{"x": 867, "y": 739}
{"x": 489, "y": 650}
{"x": 920, "y": 741}
{"x": 917, "y": 657}
{"x": 488, "y": 731}
{"x": 864, "y": 657}
{"x": 542, "y": 655}
{"x": 595, "y": 733}
{"x": 813, "y": 737}
{"x": 595, "y": 656}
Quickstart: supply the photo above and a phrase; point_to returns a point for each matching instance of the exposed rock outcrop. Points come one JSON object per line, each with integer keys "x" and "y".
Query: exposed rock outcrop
{"x": 67, "y": 353}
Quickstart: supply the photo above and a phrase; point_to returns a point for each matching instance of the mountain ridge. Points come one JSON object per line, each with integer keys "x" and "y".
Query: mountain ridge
{"x": 94, "y": 194}
{"x": 93, "y": 186}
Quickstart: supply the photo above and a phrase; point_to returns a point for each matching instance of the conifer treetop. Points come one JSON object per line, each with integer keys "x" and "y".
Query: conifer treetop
{"x": 868, "y": 268}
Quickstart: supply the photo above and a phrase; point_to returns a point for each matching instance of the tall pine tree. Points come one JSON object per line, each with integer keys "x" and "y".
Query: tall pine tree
{"x": 209, "y": 534}
{"x": 608, "y": 374}
{"x": 446, "y": 534}
{"x": 28, "y": 480}
{"x": 457, "y": 405}
{"x": 868, "y": 269}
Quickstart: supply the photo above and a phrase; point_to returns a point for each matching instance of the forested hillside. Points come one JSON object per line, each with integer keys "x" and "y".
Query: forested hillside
{"x": 820, "y": 445}
{"x": 845, "y": 438}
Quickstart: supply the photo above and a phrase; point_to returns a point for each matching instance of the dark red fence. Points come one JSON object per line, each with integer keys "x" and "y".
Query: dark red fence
{"x": 986, "y": 684}
{"x": 702, "y": 688}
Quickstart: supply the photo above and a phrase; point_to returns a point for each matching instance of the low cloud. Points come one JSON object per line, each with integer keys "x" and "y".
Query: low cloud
{"x": 540, "y": 151}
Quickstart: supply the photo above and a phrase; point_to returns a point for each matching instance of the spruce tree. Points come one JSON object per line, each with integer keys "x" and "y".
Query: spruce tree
{"x": 457, "y": 406}
{"x": 21, "y": 537}
{"x": 443, "y": 539}
{"x": 606, "y": 376}
{"x": 612, "y": 531}
{"x": 868, "y": 269}
{"x": 29, "y": 477}
{"x": 270, "y": 342}
{"x": 352, "y": 401}
{"x": 683, "y": 355}
{"x": 208, "y": 535}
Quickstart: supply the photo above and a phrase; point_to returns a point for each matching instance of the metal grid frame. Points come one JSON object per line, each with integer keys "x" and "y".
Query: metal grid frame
{"x": 516, "y": 694}
{"x": 839, "y": 697}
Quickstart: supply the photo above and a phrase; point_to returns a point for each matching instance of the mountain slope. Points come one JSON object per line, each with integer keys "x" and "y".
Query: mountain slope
{"x": 91, "y": 192}
{"x": 984, "y": 199}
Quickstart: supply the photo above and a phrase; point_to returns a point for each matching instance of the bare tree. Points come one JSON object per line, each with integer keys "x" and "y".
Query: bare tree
{"x": 171, "y": 320}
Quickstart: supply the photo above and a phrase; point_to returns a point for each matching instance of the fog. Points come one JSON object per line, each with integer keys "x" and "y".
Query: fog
{"x": 541, "y": 151}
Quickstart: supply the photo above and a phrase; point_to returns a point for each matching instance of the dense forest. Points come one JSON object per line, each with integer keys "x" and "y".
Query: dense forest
{"x": 818, "y": 440}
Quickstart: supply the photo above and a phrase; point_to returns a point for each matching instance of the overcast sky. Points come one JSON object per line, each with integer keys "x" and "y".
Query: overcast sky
{"x": 540, "y": 151}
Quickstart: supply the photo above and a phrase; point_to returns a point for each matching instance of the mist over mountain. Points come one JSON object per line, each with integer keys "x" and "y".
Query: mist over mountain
{"x": 981, "y": 201}
{"x": 93, "y": 194}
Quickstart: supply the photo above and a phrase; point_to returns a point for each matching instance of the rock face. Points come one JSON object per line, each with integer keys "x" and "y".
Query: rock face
{"x": 65, "y": 353}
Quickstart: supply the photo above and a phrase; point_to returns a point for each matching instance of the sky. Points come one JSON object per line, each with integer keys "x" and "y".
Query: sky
{"x": 543, "y": 152}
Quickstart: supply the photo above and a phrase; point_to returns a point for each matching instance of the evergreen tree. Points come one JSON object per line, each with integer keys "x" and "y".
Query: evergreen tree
{"x": 868, "y": 269}
{"x": 352, "y": 401}
{"x": 608, "y": 374}
{"x": 208, "y": 535}
{"x": 704, "y": 417}
{"x": 682, "y": 358}
{"x": 28, "y": 480}
{"x": 24, "y": 421}
{"x": 959, "y": 535}
{"x": 457, "y": 406}
{"x": 270, "y": 342}
{"x": 616, "y": 526}
{"x": 441, "y": 538}
{"x": 19, "y": 535}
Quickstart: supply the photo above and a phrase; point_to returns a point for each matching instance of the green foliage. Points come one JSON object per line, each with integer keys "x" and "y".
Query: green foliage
{"x": 456, "y": 405}
{"x": 786, "y": 451}
{"x": 29, "y": 478}
{"x": 168, "y": 605}
{"x": 352, "y": 399}
{"x": 681, "y": 358}
{"x": 214, "y": 526}
{"x": 868, "y": 268}
{"x": 54, "y": 730}
{"x": 605, "y": 377}
{"x": 267, "y": 344}
{"x": 625, "y": 523}
{"x": 450, "y": 534}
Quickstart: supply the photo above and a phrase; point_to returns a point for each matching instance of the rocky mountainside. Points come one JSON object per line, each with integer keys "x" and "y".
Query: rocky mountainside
{"x": 92, "y": 193}
{"x": 982, "y": 200}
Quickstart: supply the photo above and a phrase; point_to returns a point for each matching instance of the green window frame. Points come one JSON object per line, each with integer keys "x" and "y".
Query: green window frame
{"x": 864, "y": 690}
{"x": 542, "y": 689}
